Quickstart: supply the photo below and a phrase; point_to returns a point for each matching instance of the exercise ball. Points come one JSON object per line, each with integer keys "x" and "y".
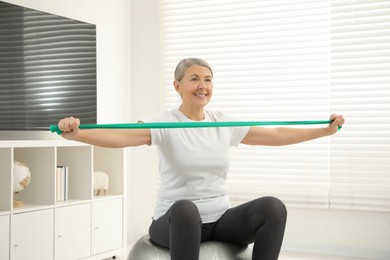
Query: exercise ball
{"x": 144, "y": 249}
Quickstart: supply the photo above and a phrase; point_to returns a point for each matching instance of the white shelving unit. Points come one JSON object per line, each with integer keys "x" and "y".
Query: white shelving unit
{"x": 83, "y": 227}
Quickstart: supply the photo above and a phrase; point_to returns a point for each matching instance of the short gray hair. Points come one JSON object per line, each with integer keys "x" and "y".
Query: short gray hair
{"x": 184, "y": 64}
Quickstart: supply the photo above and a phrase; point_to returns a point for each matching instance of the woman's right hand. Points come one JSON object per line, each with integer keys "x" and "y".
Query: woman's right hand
{"x": 69, "y": 127}
{"x": 112, "y": 138}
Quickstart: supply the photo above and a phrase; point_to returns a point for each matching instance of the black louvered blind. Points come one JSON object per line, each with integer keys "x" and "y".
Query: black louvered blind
{"x": 47, "y": 69}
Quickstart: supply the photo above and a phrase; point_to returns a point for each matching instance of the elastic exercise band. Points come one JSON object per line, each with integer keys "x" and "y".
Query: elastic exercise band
{"x": 54, "y": 128}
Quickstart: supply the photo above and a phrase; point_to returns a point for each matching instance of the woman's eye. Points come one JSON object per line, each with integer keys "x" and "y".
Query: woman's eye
{"x": 194, "y": 79}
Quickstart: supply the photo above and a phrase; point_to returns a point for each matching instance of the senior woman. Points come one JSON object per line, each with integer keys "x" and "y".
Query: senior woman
{"x": 193, "y": 203}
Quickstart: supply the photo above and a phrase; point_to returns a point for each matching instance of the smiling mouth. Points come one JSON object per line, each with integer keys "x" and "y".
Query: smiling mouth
{"x": 201, "y": 95}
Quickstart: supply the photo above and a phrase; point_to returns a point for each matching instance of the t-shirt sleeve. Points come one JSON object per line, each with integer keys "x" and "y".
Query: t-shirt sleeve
{"x": 238, "y": 133}
{"x": 157, "y": 134}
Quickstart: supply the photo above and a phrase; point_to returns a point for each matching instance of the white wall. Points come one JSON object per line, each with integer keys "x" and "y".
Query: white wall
{"x": 339, "y": 232}
{"x": 145, "y": 92}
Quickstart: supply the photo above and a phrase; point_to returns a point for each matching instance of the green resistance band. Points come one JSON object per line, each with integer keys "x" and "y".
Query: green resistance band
{"x": 54, "y": 128}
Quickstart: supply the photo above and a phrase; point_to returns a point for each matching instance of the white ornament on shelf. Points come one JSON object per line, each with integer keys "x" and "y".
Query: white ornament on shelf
{"x": 100, "y": 182}
{"x": 22, "y": 177}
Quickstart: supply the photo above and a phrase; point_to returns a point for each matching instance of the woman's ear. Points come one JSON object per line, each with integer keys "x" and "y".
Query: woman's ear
{"x": 176, "y": 84}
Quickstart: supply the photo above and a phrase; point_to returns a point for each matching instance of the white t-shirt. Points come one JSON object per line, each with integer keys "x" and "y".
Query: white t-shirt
{"x": 194, "y": 162}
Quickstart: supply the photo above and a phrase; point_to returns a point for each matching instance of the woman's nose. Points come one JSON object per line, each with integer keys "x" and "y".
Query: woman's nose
{"x": 202, "y": 85}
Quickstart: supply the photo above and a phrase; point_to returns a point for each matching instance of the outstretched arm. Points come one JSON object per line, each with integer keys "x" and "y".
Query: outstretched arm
{"x": 285, "y": 135}
{"x": 112, "y": 138}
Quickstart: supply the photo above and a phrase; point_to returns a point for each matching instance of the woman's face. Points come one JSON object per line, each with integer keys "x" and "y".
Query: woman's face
{"x": 196, "y": 86}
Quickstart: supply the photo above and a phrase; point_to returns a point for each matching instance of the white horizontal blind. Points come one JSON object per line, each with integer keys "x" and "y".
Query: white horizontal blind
{"x": 360, "y": 86}
{"x": 270, "y": 62}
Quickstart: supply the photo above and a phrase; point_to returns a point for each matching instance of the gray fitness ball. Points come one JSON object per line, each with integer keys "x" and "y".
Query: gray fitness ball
{"x": 144, "y": 249}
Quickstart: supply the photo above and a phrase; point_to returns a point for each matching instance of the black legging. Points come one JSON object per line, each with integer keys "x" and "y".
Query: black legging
{"x": 261, "y": 221}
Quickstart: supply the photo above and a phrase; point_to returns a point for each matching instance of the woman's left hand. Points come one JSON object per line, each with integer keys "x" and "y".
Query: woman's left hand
{"x": 338, "y": 121}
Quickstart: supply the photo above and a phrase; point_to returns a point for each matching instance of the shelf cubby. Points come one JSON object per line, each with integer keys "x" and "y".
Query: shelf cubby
{"x": 41, "y": 189}
{"x": 78, "y": 159}
{"x": 110, "y": 161}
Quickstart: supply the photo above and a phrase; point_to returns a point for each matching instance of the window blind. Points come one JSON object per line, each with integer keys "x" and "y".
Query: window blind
{"x": 47, "y": 69}
{"x": 360, "y": 87}
{"x": 289, "y": 60}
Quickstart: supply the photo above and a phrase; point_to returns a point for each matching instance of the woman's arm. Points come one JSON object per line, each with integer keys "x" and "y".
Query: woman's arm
{"x": 285, "y": 136}
{"x": 112, "y": 138}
